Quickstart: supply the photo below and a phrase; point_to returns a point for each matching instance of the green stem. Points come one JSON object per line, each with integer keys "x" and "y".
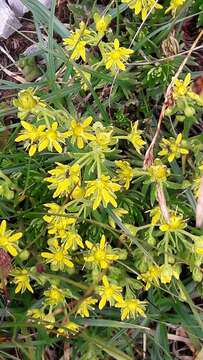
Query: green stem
{"x": 99, "y": 172}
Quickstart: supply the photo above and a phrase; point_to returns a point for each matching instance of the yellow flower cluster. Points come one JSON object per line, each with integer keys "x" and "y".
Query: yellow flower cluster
{"x": 174, "y": 6}
{"x": 114, "y": 56}
{"x": 175, "y": 223}
{"x": 64, "y": 179}
{"x": 91, "y": 185}
{"x": 77, "y": 42}
{"x": 41, "y": 137}
{"x": 163, "y": 274}
{"x": 142, "y": 7}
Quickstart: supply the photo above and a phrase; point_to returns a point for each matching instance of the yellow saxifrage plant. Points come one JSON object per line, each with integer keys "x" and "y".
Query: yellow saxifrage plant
{"x": 97, "y": 194}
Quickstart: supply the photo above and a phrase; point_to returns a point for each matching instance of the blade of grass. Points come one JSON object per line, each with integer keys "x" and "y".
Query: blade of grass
{"x": 110, "y": 350}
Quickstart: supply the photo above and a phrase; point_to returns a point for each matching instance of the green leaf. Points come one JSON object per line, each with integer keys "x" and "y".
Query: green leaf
{"x": 109, "y": 349}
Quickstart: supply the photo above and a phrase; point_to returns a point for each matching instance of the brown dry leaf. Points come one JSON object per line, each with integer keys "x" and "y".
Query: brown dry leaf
{"x": 199, "y": 208}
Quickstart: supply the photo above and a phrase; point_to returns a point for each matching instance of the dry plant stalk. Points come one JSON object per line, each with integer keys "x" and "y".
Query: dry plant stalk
{"x": 162, "y": 203}
{"x": 149, "y": 156}
{"x": 199, "y": 208}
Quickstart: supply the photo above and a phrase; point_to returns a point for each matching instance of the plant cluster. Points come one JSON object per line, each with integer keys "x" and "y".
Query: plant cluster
{"x": 93, "y": 234}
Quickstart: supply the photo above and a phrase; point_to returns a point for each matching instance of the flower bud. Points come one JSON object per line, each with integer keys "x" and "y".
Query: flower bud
{"x": 197, "y": 275}
{"x": 168, "y": 111}
{"x": 27, "y": 101}
{"x": 151, "y": 240}
{"x": 24, "y": 255}
{"x": 171, "y": 259}
{"x": 166, "y": 273}
{"x": 189, "y": 111}
{"x": 180, "y": 118}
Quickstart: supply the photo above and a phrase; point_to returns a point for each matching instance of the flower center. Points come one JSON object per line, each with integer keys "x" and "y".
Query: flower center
{"x": 99, "y": 255}
{"x": 59, "y": 256}
{"x": 115, "y": 55}
{"x": 28, "y": 102}
{"x": 78, "y": 130}
{"x": 108, "y": 292}
{"x": 51, "y": 134}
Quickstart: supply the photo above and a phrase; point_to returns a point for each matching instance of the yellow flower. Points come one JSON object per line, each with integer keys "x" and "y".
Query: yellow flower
{"x": 174, "y": 5}
{"x": 173, "y": 148}
{"x": 78, "y": 132}
{"x": 102, "y": 190}
{"x": 101, "y": 23}
{"x": 109, "y": 292}
{"x": 69, "y": 326}
{"x": 198, "y": 245}
{"x": 72, "y": 240}
{"x": 8, "y": 240}
{"x": 118, "y": 212}
{"x": 31, "y": 135}
{"x": 124, "y": 173}
{"x": 22, "y": 280}
{"x": 158, "y": 172}
{"x": 135, "y": 137}
{"x": 116, "y": 58}
{"x": 27, "y": 103}
{"x": 103, "y": 138}
{"x": 35, "y": 313}
{"x": 58, "y": 257}
{"x": 182, "y": 89}
{"x": 151, "y": 276}
{"x": 100, "y": 254}
{"x": 58, "y": 220}
{"x": 166, "y": 273}
{"x": 156, "y": 215}
{"x": 176, "y": 223}
{"x": 86, "y": 306}
{"x": 143, "y": 7}
{"x": 64, "y": 179}
{"x": 76, "y": 43}
{"x": 51, "y": 139}
{"x": 54, "y": 296}
{"x": 130, "y": 308}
